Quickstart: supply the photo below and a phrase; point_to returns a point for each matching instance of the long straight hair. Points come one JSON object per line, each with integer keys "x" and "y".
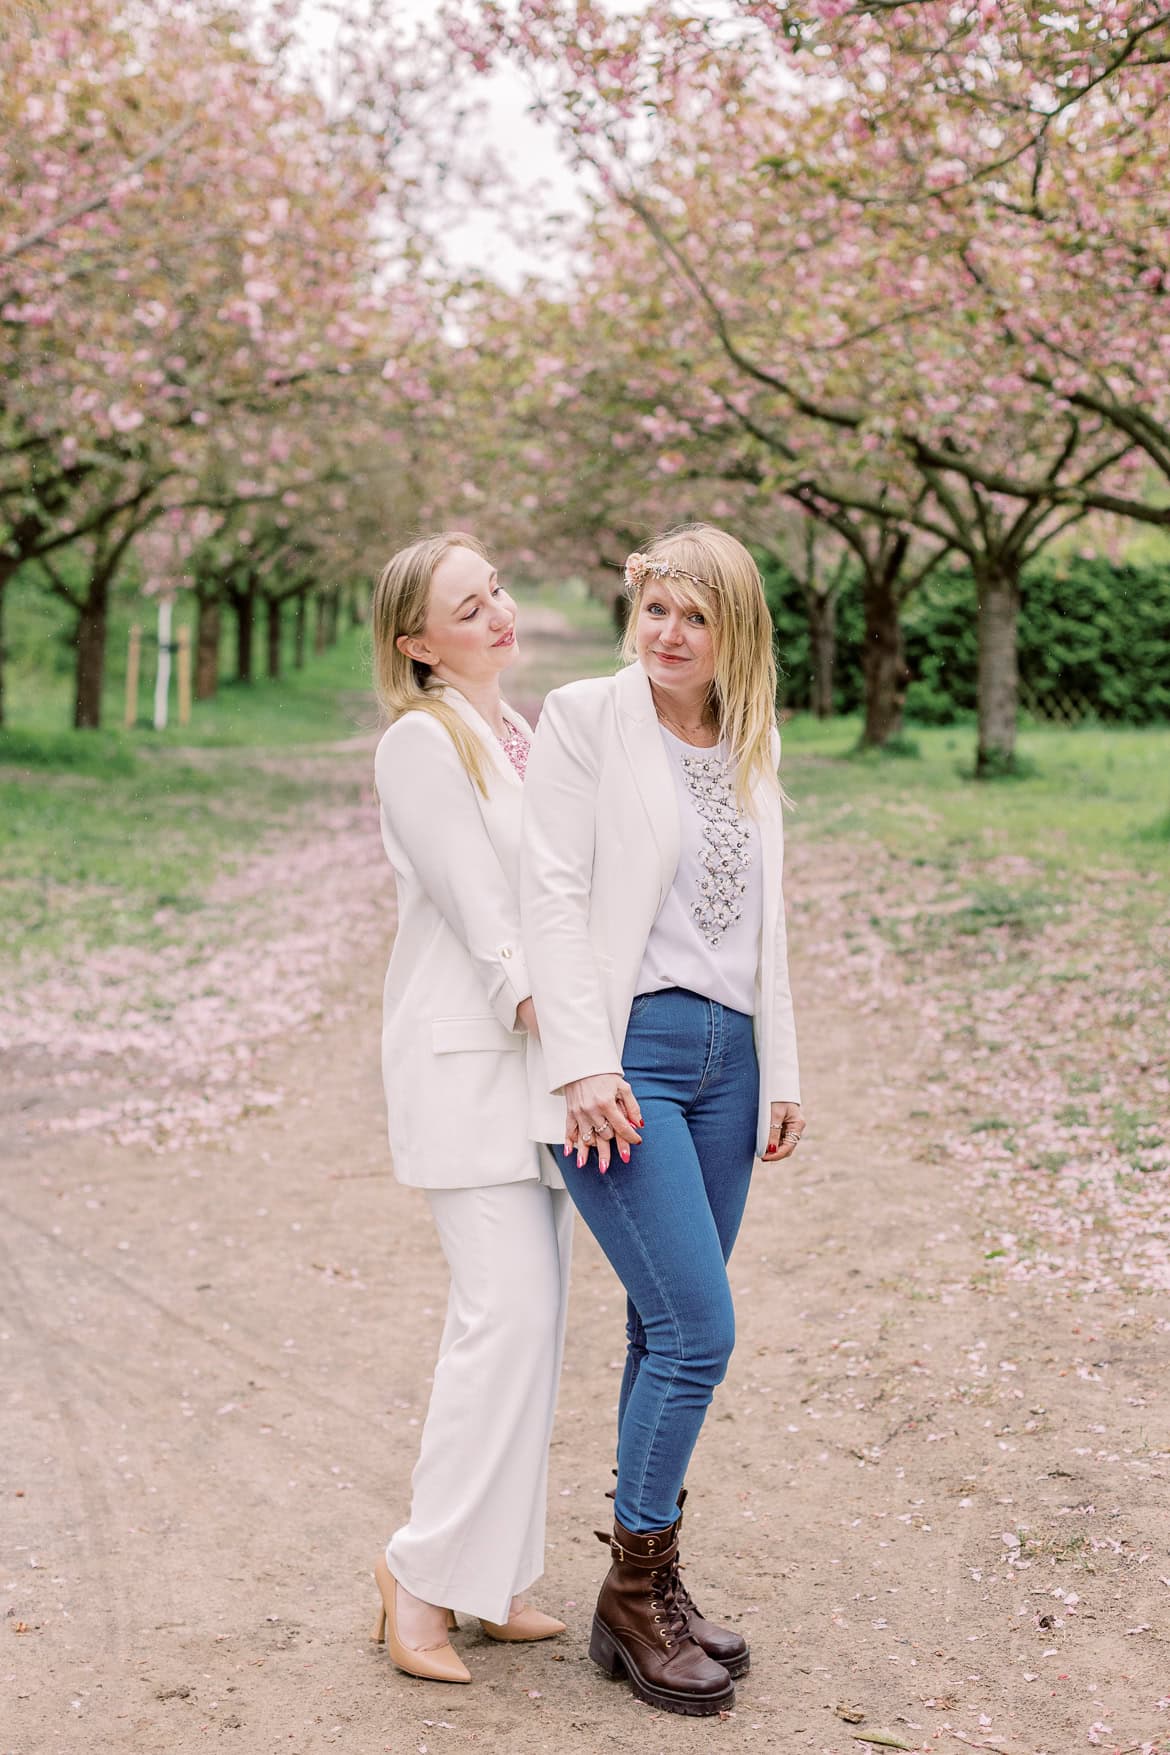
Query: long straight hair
{"x": 727, "y": 588}
{"x": 401, "y": 598}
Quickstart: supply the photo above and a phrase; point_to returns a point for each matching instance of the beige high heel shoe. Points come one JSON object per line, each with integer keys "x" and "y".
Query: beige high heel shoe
{"x": 528, "y": 1625}
{"x": 437, "y": 1664}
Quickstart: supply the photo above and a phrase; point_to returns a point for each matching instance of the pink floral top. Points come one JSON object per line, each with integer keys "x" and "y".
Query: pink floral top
{"x": 516, "y": 746}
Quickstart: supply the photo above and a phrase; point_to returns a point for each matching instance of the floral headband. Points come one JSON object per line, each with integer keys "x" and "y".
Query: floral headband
{"x": 639, "y": 568}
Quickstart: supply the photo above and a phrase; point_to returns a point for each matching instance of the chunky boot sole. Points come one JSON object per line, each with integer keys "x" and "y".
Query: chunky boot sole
{"x": 608, "y": 1653}
{"x": 736, "y": 1667}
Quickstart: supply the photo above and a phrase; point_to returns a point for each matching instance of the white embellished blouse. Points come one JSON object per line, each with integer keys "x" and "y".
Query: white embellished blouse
{"x": 707, "y": 934}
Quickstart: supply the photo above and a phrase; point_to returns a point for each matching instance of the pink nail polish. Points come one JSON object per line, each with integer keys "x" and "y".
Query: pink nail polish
{"x": 581, "y": 1160}
{"x": 565, "y": 1150}
{"x": 624, "y": 1154}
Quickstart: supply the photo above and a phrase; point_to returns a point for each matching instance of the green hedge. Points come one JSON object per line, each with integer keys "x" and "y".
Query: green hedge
{"x": 1092, "y": 634}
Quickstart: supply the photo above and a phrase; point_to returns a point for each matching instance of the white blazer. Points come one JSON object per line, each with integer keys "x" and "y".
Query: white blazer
{"x": 453, "y": 1067}
{"x": 601, "y": 847}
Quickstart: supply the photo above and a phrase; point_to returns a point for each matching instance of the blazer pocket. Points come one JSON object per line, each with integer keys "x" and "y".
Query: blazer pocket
{"x": 467, "y": 1035}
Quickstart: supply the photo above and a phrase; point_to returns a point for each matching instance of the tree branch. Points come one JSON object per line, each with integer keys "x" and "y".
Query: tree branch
{"x": 91, "y": 203}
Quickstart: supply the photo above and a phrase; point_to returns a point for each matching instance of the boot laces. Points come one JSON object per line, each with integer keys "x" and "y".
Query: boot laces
{"x": 682, "y": 1595}
{"x": 671, "y": 1592}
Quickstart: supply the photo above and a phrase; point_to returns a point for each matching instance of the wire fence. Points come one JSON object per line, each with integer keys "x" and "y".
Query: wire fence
{"x": 1055, "y": 706}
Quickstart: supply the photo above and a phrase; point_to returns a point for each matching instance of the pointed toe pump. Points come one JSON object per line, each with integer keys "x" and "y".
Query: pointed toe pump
{"x": 439, "y": 1663}
{"x": 525, "y": 1625}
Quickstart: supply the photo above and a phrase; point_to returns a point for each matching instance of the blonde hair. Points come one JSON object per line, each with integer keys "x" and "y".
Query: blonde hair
{"x": 403, "y": 684}
{"x": 717, "y": 576}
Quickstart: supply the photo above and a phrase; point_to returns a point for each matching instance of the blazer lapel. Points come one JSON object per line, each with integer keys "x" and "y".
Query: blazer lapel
{"x": 500, "y": 765}
{"x": 501, "y": 808}
{"x": 650, "y": 767}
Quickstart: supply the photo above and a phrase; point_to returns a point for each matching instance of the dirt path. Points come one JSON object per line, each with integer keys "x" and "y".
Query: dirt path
{"x": 936, "y": 1504}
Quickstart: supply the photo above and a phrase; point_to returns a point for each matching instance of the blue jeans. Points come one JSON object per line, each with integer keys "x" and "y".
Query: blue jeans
{"x": 667, "y": 1221}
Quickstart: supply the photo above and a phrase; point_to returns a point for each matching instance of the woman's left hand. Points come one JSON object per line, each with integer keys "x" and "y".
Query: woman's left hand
{"x": 784, "y": 1130}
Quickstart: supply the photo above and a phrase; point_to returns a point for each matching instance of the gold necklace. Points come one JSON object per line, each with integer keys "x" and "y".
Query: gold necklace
{"x": 687, "y": 733}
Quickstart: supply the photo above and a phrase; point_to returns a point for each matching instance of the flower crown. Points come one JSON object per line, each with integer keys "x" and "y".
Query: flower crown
{"x": 639, "y": 568}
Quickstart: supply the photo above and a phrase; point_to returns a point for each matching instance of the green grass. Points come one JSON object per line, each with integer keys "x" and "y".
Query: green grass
{"x": 114, "y": 836}
{"x": 1093, "y": 799}
{"x": 329, "y": 699}
{"x": 93, "y": 858}
{"x": 1138, "y": 1136}
{"x": 101, "y": 831}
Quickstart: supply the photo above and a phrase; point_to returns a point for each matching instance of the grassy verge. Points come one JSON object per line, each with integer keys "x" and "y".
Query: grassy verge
{"x": 1021, "y": 932}
{"x": 103, "y": 832}
{"x": 115, "y": 837}
{"x": 93, "y": 859}
{"x": 1095, "y": 797}
{"x": 328, "y": 699}
{"x": 111, "y": 837}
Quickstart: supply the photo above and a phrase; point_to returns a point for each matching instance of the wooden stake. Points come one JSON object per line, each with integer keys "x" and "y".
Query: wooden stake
{"x": 133, "y": 661}
{"x": 184, "y": 675}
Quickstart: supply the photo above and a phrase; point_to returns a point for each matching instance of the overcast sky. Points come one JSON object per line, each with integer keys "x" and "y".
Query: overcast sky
{"x": 534, "y": 162}
{"x": 533, "y": 158}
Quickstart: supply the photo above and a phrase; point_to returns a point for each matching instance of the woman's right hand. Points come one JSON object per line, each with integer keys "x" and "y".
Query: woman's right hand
{"x": 600, "y": 1111}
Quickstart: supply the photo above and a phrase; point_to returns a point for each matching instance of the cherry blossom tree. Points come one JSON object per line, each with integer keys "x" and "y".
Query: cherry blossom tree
{"x": 872, "y": 299}
{"x": 194, "y": 245}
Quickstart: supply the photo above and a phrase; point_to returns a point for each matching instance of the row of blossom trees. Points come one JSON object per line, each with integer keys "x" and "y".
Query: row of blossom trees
{"x": 879, "y": 282}
{"x": 903, "y": 267}
{"x": 214, "y": 304}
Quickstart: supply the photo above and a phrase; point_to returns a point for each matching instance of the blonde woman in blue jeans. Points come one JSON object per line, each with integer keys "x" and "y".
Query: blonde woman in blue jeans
{"x": 654, "y": 932}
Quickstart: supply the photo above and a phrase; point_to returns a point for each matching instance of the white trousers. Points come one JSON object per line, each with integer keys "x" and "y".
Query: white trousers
{"x": 475, "y": 1538}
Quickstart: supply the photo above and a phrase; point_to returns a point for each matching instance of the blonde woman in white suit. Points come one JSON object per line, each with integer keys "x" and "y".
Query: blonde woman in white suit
{"x": 654, "y": 931}
{"x": 458, "y": 1027}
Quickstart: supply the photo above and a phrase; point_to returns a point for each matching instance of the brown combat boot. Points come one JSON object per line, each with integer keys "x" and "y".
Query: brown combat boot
{"x": 640, "y": 1630}
{"x": 727, "y": 1648}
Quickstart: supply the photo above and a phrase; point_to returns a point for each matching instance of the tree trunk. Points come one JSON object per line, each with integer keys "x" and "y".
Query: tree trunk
{"x": 90, "y": 640}
{"x": 332, "y": 617}
{"x": 319, "y": 634}
{"x": 884, "y": 662}
{"x": 299, "y": 630}
{"x": 207, "y": 647}
{"x": 998, "y": 688}
{"x": 244, "y": 604}
{"x": 273, "y": 607}
{"x": 822, "y": 635}
{"x": 359, "y": 607}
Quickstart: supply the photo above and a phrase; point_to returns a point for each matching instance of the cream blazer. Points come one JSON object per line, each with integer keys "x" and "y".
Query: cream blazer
{"x": 454, "y": 1069}
{"x": 601, "y": 847}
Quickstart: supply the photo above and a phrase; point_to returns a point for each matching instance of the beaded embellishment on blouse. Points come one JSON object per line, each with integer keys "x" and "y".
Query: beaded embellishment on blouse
{"x": 726, "y": 852}
{"x": 516, "y": 747}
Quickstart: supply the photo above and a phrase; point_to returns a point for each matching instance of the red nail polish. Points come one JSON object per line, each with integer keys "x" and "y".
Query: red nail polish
{"x": 624, "y": 1154}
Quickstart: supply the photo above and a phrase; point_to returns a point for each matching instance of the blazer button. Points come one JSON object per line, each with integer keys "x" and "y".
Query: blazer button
{"x": 505, "y": 952}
